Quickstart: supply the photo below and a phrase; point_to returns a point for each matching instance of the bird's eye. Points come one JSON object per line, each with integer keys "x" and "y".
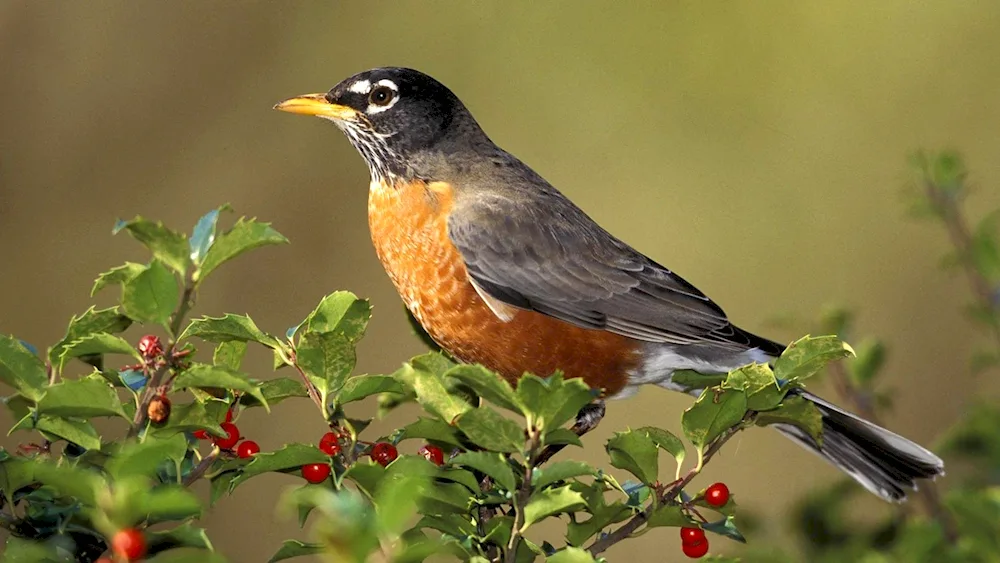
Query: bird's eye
{"x": 381, "y": 95}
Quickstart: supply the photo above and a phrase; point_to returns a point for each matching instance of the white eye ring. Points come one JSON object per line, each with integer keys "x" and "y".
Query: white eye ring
{"x": 381, "y": 87}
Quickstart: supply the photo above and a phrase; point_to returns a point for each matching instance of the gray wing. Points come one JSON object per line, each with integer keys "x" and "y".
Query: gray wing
{"x": 544, "y": 254}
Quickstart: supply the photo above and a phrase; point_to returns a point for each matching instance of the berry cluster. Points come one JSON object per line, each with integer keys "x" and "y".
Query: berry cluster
{"x": 694, "y": 544}
{"x": 382, "y": 453}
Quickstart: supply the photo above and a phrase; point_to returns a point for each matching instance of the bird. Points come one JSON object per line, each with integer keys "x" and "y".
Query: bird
{"x": 501, "y": 269}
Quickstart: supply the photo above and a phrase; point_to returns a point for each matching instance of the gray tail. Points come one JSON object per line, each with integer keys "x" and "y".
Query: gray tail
{"x": 883, "y": 462}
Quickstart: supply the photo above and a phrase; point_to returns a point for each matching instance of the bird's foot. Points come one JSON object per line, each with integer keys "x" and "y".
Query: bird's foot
{"x": 586, "y": 420}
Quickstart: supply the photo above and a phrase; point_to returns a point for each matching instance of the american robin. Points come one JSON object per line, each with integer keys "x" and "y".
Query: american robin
{"x": 502, "y": 269}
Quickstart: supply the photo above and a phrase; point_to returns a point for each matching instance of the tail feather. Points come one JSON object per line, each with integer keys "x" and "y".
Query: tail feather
{"x": 883, "y": 462}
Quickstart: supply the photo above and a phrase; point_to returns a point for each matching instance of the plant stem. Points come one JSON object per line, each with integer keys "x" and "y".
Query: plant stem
{"x": 521, "y": 496}
{"x": 203, "y": 466}
{"x": 310, "y": 388}
{"x": 669, "y": 495}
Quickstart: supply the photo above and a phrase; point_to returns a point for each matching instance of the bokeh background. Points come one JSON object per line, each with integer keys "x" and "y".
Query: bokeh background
{"x": 757, "y": 148}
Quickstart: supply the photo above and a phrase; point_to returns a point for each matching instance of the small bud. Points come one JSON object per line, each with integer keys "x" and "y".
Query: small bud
{"x": 150, "y": 346}
{"x": 159, "y": 409}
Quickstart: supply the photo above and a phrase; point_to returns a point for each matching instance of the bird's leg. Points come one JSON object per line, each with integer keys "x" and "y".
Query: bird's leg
{"x": 586, "y": 420}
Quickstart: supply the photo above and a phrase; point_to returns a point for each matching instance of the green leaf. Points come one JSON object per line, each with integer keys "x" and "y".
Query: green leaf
{"x": 203, "y": 234}
{"x": 152, "y": 295}
{"x": 797, "y": 411}
{"x": 561, "y": 436}
{"x": 551, "y": 402}
{"x": 433, "y": 362}
{"x": 807, "y": 356}
{"x": 90, "y": 321}
{"x": 405, "y": 482}
{"x": 167, "y": 246}
{"x": 668, "y": 515}
{"x": 295, "y": 548}
{"x": 636, "y": 453}
{"x": 339, "y": 312}
{"x": 432, "y": 393}
{"x": 245, "y": 235}
{"x": 430, "y": 429}
{"x": 277, "y": 390}
{"x": 17, "y": 550}
{"x": 725, "y": 527}
{"x": 487, "y": 385}
{"x": 165, "y": 503}
{"x": 140, "y": 459}
{"x": 364, "y": 386}
{"x": 366, "y": 476}
{"x": 491, "y": 431}
{"x": 867, "y": 364}
{"x": 119, "y": 275}
{"x": 190, "y": 417}
{"x": 460, "y": 476}
{"x": 68, "y": 480}
{"x": 713, "y": 413}
{"x": 21, "y": 369}
{"x": 327, "y": 360}
{"x": 228, "y": 328}
{"x": 571, "y": 555}
{"x": 204, "y": 376}
{"x": 691, "y": 380}
{"x": 84, "y": 398}
{"x": 288, "y": 459}
{"x": 185, "y": 535}
{"x": 667, "y": 442}
{"x": 97, "y": 343}
{"x": 230, "y": 354}
{"x": 547, "y": 502}
{"x": 559, "y": 471}
{"x": 187, "y": 555}
{"x": 79, "y": 432}
{"x": 492, "y": 464}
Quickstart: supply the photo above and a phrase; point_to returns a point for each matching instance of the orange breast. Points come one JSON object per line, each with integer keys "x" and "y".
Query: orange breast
{"x": 408, "y": 228}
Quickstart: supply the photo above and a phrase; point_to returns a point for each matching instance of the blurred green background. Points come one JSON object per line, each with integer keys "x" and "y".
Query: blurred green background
{"x": 757, "y": 148}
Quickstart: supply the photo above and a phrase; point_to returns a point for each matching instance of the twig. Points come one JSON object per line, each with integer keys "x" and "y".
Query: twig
{"x": 203, "y": 466}
{"x": 628, "y": 528}
{"x": 521, "y": 496}
{"x": 310, "y": 388}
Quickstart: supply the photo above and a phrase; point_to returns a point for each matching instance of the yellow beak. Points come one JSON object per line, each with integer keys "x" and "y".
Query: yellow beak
{"x": 316, "y": 104}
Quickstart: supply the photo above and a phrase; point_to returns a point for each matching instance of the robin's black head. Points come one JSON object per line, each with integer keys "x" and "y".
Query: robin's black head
{"x": 394, "y": 117}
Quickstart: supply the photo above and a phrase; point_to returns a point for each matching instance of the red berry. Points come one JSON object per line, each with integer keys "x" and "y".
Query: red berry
{"x": 232, "y": 436}
{"x": 247, "y": 449}
{"x": 432, "y": 453}
{"x": 695, "y": 550}
{"x": 692, "y": 535}
{"x": 150, "y": 346}
{"x": 201, "y": 434}
{"x": 158, "y": 410}
{"x": 330, "y": 444}
{"x": 315, "y": 472}
{"x": 384, "y": 453}
{"x": 229, "y": 414}
{"x": 129, "y": 544}
{"x": 717, "y": 494}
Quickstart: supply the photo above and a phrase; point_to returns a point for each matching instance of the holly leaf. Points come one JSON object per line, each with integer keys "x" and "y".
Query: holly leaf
{"x": 185, "y": 535}
{"x": 431, "y": 392}
{"x": 668, "y": 515}
{"x": 227, "y": 328}
{"x": 491, "y": 431}
{"x": 230, "y": 354}
{"x": 167, "y": 246}
{"x": 203, "y": 234}
{"x": 90, "y": 321}
{"x": 118, "y": 275}
{"x": 341, "y": 311}
{"x": 21, "y": 369}
{"x": 141, "y": 459}
{"x": 277, "y": 390}
{"x": 691, "y": 380}
{"x": 327, "y": 359}
{"x": 807, "y": 356}
{"x": 81, "y": 398}
{"x": 551, "y": 402}
{"x": 571, "y": 555}
{"x": 725, "y": 527}
{"x": 164, "y": 503}
{"x": 245, "y": 235}
{"x": 796, "y": 411}
{"x": 76, "y": 431}
{"x": 559, "y": 471}
{"x": 487, "y": 385}
{"x": 97, "y": 343}
{"x": 666, "y": 442}
{"x": 191, "y": 417}
{"x": 547, "y": 502}
{"x": 715, "y": 411}
{"x": 288, "y": 459}
{"x": 430, "y": 429}
{"x": 636, "y": 453}
{"x": 562, "y": 436}
{"x": 152, "y": 295}
{"x": 364, "y": 386}
{"x": 492, "y": 464}
{"x": 295, "y": 548}
{"x": 204, "y": 376}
